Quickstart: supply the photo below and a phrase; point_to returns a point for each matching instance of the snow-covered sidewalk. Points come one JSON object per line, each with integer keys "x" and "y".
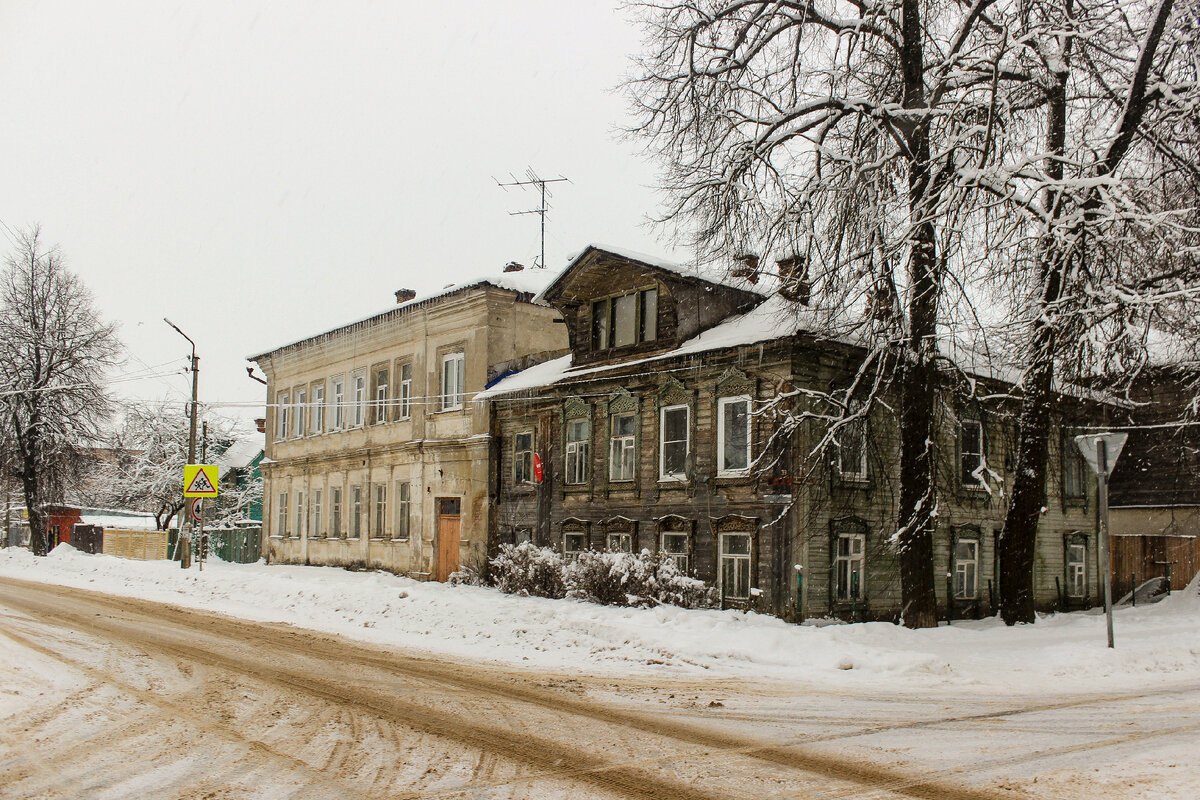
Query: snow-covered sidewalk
{"x": 1156, "y": 645}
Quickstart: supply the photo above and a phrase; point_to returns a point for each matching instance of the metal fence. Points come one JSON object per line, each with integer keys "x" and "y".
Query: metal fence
{"x": 236, "y": 545}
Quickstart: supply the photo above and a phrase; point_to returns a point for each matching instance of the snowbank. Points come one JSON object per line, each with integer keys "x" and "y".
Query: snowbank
{"x": 1157, "y": 644}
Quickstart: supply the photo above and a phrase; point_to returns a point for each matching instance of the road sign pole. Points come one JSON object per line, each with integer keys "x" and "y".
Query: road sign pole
{"x": 1105, "y": 569}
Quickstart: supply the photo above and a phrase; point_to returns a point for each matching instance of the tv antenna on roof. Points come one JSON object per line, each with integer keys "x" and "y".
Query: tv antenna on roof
{"x": 532, "y": 179}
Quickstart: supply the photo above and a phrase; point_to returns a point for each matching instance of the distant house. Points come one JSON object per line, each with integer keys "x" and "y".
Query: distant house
{"x": 238, "y": 470}
{"x": 686, "y": 421}
{"x": 377, "y": 453}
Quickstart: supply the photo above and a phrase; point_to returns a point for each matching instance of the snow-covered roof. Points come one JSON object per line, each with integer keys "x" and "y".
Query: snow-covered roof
{"x": 527, "y": 281}
{"x": 719, "y": 277}
{"x": 117, "y": 518}
{"x": 240, "y": 453}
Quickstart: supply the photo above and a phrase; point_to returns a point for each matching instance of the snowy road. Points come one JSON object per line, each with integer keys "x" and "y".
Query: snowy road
{"x": 116, "y": 697}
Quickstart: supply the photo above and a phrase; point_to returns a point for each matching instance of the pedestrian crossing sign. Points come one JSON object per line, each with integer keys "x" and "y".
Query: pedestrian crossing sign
{"x": 200, "y": 480}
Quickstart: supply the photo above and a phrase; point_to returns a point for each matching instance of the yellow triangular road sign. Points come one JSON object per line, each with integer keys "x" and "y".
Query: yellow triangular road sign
{"x": 200, "y": 480}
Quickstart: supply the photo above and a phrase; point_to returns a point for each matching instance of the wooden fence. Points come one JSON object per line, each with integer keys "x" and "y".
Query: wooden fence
{"x": 1138, "y": 558}
{"x": 141, "y": 545}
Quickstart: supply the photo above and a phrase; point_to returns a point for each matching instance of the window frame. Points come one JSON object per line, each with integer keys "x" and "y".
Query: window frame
{"x": 300, "y": 521}
{"x": 314, "y": 514}
{"x": 577, "y": 452}
{"x": 335, "y": 513}
{"x": 378, "y": 528}
{"x": 856, "y": 427}
{"x": 663, "y": 475}
{"x": 301, "y": 420}
{"x": 622, "y": 538}
{"x": 604, "y": 318}
{"x": 1073, "y": 462}
{"x": 281, "y": 513}
{"x": 967, "y": 479}
{"x": 282, "y": 404}
{"x": 404, "y": 410}
{"x": 1075, "y": 569}
{"x": 850, "y": 591}
{"x": 738, "y": 562}
{"x": 966, "y": 570}
{"x": 403, "y": 505}
{"x": 627, "y": 444}
{"x": 358, "y": 384}
{"x": 523, "y": 458}
{"x": 570, "y": 554}
{"x": 339, "y": 402}
{"x": 382, "y": 378}
{"x": 354, "y": 529}
{"x": 722, "y": 470}
{"x": 682, "y": 558}
{"x": 317, "y": 417}
{"x": 456, "y": 400}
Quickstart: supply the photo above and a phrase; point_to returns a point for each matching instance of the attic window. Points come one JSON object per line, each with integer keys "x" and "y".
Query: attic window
{"x": 625, "y": 320}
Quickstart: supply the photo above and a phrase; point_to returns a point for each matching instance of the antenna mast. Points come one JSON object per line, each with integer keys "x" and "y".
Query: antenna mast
{"x": 532, "y": 179}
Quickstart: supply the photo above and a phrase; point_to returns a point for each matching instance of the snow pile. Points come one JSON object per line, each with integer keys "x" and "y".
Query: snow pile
{"x": 1157, "y": 644}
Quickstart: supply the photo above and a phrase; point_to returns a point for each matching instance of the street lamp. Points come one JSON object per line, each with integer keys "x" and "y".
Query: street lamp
{"x": 185, "y": 542}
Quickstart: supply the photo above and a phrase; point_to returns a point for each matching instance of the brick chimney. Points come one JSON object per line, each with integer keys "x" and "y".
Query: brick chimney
{"x": 513, "y": 266}
{"x": 747, "y": 267}
{"x": 404, "y": 295}
{"x": 261, "y": 424}
{"x": 793, "y": 279}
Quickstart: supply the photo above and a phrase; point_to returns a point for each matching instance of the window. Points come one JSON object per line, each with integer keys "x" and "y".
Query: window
{"x": 620, "y": 542}
{"x": 405, "y": 409}
{"x": 301, "y": 412}
{"x": 735, "y": 565}
{"x": 282, "y": 514}
{"x": 356, "y": 502}
{"x": 1076, "y": 563}
{"x": 522, "y": 536}
{"x": 622, "y": 460}
{"x": 298, "y": 531}
{"x": 318, "y": 409}
{"x": 578, "y": 450}
{"x": 339, "y": 403}
{"x": 335, "y": 512}
{"x": 1074, "y": 486}
{"x": 573, "y": 545}
{"x": 733, "y": 436}
{"x": 381, "y": 396}
{"x": 852, "y": 448}
{"x": 625, "y": 320}
{"x": 452, "y": 381}
{"x": 359, "y": 382}
{"x": 673, "y": 443}
{"x": 971, "y": 453}
{"x": 848, "y": 567}
{"x": 675, "y": 545}
{"x": 966, "y": 569}
{"x": 281, "y": 416}
{"x": 523, "y": 457}
{"x": 379, "y": 512}
{"x": 314, "y": 516}
{"x": 402, "y": 510}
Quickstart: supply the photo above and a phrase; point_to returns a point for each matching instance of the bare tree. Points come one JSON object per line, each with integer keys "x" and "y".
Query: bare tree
{"x": 54, "y": 350}
{"x": 1116, "y": 110}
{"x": 152, "y": 447}
{"x": 846, "y": 137}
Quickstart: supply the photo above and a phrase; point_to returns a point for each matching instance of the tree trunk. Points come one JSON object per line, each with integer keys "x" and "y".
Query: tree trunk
{"x": 37, "y": 515}
{"x": 918, "y": 367}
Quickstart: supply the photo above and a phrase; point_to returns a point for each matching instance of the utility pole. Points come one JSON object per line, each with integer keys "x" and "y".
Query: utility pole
{"x": 532, "y": 179}
{"x": 185, "y": 540}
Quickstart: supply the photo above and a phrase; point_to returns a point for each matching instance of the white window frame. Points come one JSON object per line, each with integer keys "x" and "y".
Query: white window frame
{"x": 381, "y": 395}
{"x": 969, "y": 481}
{"x": 358, "y": 384}
{"x": 846, "y": 563}
{"x": 282, "y": 403}
{"x": 1076, "y": 569}
{"x": 339, "y": 402}
{"x": 572, "y": 554}
{"x": 403, "y": 511}
{"x": 680, "y": 557}
{"x": 663, "y": 475}
{"x": 621, "y": 445}
{"x": 301, "y": 417}
{"x": 453, "y": 394}
{"x": 739, "y": 563}
{"x": 300, "y": 521}
{"x": 722, "y": 470}
{"x": 379, "y": 511}
{"x": 354, "y": 529}
{"x": 966, "y": 570}
{"x": 578, "y": 453}
{"x": 314, "y": 516}
{"x": 405, "y": 391}
{"x": 619, "y": 542}
{"x": 523, "y": 458}
{"x": 318, "y": 409}
{"x": 281, "y": 514}
{"x": 335, "y": 512}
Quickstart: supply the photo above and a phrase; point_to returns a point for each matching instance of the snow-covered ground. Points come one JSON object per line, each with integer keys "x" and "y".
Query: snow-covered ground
{"x": 1157, "y": 645}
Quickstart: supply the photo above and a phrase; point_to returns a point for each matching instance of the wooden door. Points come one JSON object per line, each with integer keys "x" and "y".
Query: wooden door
{"x": 448, "y": 518}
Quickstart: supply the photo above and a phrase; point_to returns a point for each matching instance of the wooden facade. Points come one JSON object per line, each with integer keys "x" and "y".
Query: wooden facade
{"x": 642, "y": 447}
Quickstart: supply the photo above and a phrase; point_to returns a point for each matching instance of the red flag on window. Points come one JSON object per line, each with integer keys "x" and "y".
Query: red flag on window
{"x": 537, "y": 468}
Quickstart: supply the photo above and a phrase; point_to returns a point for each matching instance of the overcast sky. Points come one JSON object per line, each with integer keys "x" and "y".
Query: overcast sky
{"x": 260, "y": 172}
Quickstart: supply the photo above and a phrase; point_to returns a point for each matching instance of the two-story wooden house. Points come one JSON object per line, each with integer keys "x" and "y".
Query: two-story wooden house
{"x": 692, "y": 417}
{"x": 377, "y": 453}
